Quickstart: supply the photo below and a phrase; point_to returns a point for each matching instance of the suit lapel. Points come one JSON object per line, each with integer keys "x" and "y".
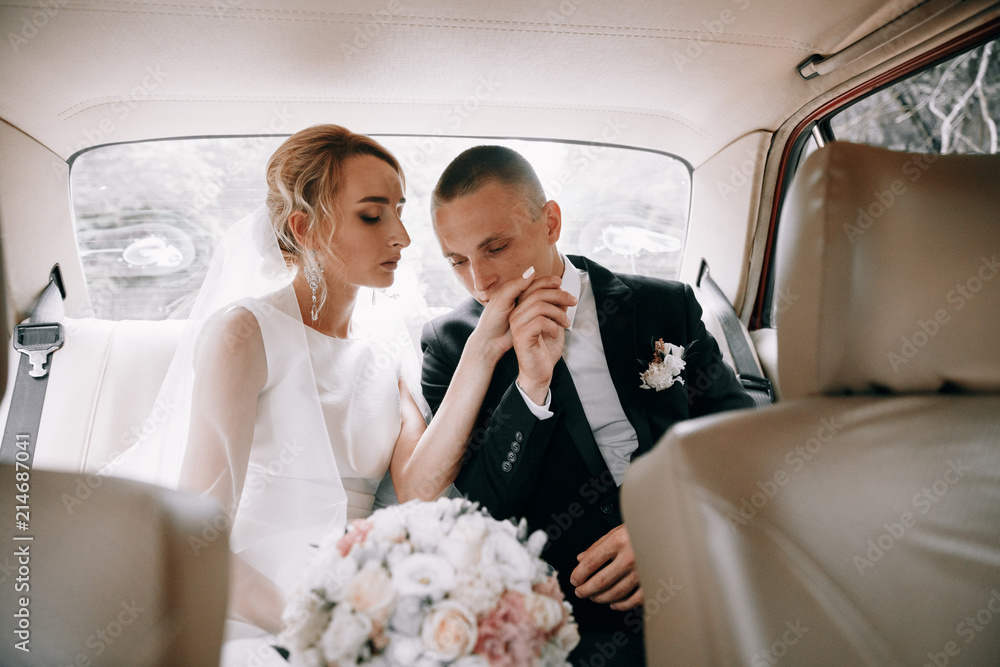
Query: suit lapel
{"x": 616, "y": 316}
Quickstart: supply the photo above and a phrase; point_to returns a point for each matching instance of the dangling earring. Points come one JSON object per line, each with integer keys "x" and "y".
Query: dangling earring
{"x": 313, "y": 277}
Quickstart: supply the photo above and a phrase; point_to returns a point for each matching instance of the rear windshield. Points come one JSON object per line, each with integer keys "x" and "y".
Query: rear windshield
{"x": 148, "y": 215}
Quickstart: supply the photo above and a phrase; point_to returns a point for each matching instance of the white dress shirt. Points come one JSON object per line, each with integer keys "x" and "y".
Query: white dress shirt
{"x": 583, "y": 353}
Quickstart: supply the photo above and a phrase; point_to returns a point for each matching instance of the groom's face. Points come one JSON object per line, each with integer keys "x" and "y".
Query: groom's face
{"x": 491, "y": 237}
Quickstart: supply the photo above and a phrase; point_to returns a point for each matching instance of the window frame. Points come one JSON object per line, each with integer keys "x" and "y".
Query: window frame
{"x": 762, "y": 315}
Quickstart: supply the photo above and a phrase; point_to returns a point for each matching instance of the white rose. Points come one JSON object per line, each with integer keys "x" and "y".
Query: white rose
{"x": 387, "y": 525}
{"x": 404, "y": 650}
{"x": 537, "y": 542}
{"x": 371, "y": 592}
{"x": 463, "y": 544}
{"x": 567, "y": 638}
{"x": 674, "y": 364}
{"x": 304, "y": 620}
{"x": 452, "y": 507}
{"x": 345, "y": 635}
{"x": 308, "y": 658}
{"x": 449, "y": 630}
{"x": 425, "y": 530}
{"x": 408, "y": 616}
{"x": 478, "y": 588}
{"x": 544, "y": 611}
{"x": 335, "y": 579}
{"x": 517, "y": 567}
{"x": 423, "y": 575}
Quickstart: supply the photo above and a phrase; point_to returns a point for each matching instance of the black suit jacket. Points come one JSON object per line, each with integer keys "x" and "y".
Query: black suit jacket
{"x": 551, "y": 471}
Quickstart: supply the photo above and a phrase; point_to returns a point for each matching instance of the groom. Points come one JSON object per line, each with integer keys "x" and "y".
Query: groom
{"x": 565, "y": 413}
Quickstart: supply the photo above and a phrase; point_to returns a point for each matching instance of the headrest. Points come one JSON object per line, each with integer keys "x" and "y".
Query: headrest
{"x": 888, "y": 273}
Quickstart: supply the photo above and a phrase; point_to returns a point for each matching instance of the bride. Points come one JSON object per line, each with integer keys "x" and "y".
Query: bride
{"x": 296, "y": 410}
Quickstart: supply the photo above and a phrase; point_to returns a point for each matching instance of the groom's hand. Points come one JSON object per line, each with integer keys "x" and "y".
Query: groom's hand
{"x": 607, "y": 573}
{"x": 538, "y": 328}
{"x": 492, "y": 335}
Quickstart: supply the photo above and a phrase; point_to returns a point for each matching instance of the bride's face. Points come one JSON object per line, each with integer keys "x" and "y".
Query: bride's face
{"x": 370, "y": 236}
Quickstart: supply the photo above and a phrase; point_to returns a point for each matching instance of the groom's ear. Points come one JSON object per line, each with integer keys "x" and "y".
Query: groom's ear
{"x": 552, "y": 215}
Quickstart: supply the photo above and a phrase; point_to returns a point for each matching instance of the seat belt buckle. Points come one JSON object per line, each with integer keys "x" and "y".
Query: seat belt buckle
{"x": 755, "y": 383}
{"x": 38, "y": 341}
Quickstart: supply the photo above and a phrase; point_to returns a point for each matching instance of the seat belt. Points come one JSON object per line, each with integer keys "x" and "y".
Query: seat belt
{"x": 36, "y": 341}
{"x": 748, "y": 370}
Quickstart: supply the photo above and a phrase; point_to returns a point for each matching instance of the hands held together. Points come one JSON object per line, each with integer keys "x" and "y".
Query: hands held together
{"x": 528, "y": 314}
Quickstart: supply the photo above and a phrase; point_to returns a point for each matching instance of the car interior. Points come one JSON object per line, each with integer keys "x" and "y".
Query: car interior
{"x": 824, "y": 174}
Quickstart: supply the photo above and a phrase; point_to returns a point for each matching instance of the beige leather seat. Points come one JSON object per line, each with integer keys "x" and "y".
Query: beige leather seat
{"x": 858, "y": 521}
{"x": 102, "y": 391}
{"x": 117, "y": 573}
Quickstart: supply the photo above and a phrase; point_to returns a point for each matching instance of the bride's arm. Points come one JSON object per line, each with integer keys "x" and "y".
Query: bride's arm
{"x": 230, "y": 370}
{"x": 425, "y": 462}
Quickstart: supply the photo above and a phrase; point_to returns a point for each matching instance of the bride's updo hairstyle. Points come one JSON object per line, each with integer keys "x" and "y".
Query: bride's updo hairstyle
{"x": 305, "y": 174}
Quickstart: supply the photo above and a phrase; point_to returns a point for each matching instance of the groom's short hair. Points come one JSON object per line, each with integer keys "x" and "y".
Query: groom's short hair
{"x": 480, "y": 165}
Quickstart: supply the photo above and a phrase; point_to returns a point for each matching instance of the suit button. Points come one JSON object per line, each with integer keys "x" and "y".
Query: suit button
{"x": 515, "y": 447}
{"x": 519, "y": 437}
{"x": 507, "y": 467}
{"x": 512, "y": 457}
{"x": 607, "y": 509}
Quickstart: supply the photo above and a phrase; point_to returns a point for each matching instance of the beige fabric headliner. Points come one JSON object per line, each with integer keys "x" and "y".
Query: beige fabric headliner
{"x": 684, "y": 77}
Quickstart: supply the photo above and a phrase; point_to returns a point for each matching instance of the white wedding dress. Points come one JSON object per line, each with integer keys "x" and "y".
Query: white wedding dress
{"x": 291, "y": 496}
{"x": 324, "y": 428}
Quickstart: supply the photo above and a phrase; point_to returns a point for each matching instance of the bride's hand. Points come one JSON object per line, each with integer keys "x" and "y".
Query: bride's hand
{"x": 492, "y": 336}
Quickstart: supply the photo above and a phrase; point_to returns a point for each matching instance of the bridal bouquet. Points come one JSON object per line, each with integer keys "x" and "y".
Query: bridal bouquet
{"x": 429, "y": 584}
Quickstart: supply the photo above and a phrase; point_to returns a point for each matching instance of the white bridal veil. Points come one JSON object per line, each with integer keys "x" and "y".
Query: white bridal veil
{"x": 293, "y": 461}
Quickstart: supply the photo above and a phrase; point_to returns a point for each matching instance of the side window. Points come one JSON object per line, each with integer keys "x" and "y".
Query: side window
{"x": 952, "y": 107}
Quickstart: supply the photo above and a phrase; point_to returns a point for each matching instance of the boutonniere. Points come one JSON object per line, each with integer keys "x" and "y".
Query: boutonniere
{"x": 665, "y": 368}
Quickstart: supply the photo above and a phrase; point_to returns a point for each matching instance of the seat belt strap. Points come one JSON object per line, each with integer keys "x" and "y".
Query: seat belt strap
{"x": 748, "y": 370}
{"x": 36, "y": 341}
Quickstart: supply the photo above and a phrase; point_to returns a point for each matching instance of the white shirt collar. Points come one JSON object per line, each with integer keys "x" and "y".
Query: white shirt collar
{"x": 571, "y": 282}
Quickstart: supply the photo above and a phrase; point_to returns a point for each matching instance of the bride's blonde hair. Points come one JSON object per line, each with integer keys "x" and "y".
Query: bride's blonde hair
{"x": 305, "y": 174}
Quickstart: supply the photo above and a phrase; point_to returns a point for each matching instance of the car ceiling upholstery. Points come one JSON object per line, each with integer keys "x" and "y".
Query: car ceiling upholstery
{"x": 688, "y": 78}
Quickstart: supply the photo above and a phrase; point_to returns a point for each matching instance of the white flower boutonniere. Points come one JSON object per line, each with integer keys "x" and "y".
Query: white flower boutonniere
{"x": 665, "y": 368}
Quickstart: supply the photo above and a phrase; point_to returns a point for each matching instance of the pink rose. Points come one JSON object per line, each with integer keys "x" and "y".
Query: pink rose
{"x": 508, "y": 636}
{"x": 449, "y": 630}
{"x": 356, "y": 533}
